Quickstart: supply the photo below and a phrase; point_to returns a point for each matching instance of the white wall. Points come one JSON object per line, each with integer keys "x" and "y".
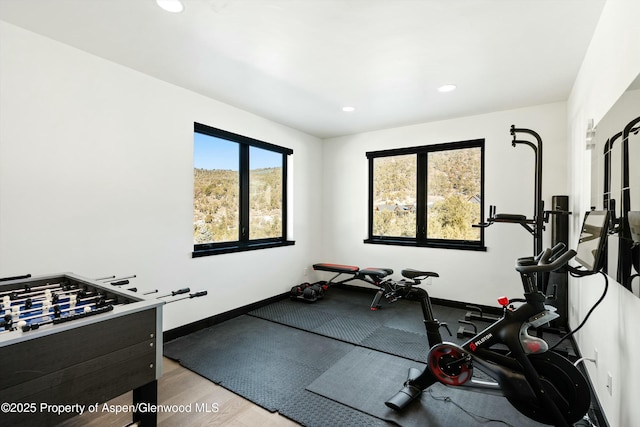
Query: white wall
{"x": 468, "y": 276}
{"x": 611, "y": 64}
{"x": 96, "y": 178}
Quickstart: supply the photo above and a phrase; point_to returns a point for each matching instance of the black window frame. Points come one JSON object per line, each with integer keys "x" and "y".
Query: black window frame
{"x": 421, "y": 239}
{"x": 244, "y": 243}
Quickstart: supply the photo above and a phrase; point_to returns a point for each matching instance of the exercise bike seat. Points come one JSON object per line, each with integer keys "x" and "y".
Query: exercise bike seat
{"x": 410, "y": 273}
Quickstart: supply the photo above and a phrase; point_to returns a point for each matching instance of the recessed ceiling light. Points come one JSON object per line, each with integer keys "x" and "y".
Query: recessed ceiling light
{"x": 447, "y": 88}
{"x": 348, "y": 109}
{"x": 173, "y": 6}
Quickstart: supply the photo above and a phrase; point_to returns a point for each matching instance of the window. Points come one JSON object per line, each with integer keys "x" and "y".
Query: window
{"x": 239, "y": 192}
{"x": 427, "y": 196}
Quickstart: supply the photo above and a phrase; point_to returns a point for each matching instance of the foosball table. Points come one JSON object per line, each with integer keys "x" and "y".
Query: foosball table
{"x": 68, "y": 342}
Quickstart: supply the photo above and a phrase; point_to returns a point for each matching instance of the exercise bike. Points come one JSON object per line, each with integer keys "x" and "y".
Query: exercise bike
{"x": 540, "y": 384}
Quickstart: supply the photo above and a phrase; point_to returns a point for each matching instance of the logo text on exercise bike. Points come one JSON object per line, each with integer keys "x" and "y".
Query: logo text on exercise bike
{"x": 475, "y": 344}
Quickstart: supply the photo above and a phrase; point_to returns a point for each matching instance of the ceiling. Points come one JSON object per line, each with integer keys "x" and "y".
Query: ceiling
{"x": 298, "y": 62}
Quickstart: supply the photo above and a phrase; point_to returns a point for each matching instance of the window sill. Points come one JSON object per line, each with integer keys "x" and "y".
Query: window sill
{"x": 460, "y": 245}
{"x": 240, "y": 247}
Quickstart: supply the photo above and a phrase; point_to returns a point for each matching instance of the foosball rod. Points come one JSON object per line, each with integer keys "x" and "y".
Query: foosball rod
{"x": 97, "y": 310}
{"x": 121, "y": 281}
{"x": 193, "y": 295}
{"x": 174, "y": 293}
{"x": 105, "y": 303}
{"x": 80, "y": 292}
{"x": 40, "y": 296}
{"x": 118, "y": 281}
{"x": 52, "y": 316}
{"x": 82, "y": 307}
{"x": 28, "y": 289}
{"x": 66, "y": 299}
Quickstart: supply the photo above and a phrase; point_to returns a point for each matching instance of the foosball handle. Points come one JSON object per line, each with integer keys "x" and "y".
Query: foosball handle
{"x": 180, "y": 291}
{"x": 193, "y": 295}
{"x": 198, "y": 294}
{"x": 6, "y": 279}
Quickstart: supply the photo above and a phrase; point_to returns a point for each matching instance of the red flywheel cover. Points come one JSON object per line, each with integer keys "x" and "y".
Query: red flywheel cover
{"x": 449, "y": 365}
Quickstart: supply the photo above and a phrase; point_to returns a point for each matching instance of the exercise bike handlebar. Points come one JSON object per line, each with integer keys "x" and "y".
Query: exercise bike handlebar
{"x": 544, "y": 263}
{"x": 532, "y": 260}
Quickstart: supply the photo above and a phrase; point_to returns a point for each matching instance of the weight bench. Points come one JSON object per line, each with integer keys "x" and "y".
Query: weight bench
{"x": 372, "y": 276}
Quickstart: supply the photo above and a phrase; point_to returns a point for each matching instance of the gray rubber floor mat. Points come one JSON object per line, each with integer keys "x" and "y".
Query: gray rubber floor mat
{"x": 345, "y": 315}
{"x": 398, "y": 342}
{"x": 334, "y": 364}
{"x": 269, "y": 364}
{"x": 363, "y": 379}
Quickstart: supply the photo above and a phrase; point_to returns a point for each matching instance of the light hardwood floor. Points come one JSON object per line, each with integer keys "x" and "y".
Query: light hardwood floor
{"x": 179, "y": 386}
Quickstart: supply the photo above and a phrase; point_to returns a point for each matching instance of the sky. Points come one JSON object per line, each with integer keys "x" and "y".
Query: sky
{"x": 210, "y": 152}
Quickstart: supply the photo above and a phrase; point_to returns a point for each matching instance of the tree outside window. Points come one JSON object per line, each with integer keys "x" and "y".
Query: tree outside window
{"x": 427, "y": 196}
{"x": 239, "y": 192}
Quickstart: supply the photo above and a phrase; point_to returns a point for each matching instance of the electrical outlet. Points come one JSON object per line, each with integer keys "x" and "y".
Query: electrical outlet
{"x": 595, "y": 356}
{"x": 609, "y": 383}
{"x": 306, "y": 271}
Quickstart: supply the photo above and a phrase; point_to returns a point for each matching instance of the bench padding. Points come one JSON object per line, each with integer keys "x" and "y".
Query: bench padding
{"x": 377, "y": 272}
{"x": 336, "y": 268}
{"x": 352, "y": 269}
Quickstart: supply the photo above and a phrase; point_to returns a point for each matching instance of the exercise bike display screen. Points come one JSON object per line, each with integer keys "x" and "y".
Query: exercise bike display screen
{"x": 592, "y": 240}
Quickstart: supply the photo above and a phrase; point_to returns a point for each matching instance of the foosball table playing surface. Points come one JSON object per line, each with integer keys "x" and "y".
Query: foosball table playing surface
{"x": 68, "y": 344}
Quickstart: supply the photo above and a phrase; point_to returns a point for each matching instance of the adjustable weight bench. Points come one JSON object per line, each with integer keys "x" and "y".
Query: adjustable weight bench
{"x": 372, "y": 276}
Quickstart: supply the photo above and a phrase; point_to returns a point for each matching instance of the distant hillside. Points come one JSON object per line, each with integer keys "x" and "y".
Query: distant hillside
{"x": 453, "y": 195}
{"x": 216, "y": 204}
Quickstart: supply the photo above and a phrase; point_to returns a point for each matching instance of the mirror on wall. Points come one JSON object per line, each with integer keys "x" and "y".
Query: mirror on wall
{"x": 615, "y": 185}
